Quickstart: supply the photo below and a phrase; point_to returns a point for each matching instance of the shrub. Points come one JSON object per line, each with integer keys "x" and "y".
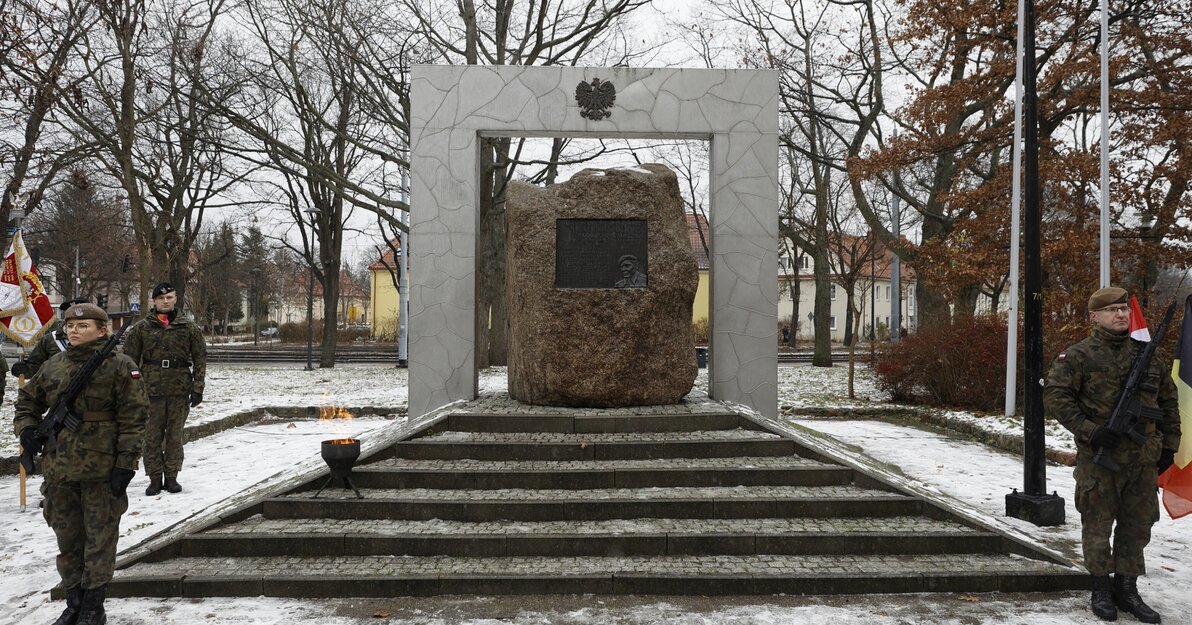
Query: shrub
{"x": 295, "y": 332}
{"x": 961, "y": 365}
{"x": 700, "y": 331}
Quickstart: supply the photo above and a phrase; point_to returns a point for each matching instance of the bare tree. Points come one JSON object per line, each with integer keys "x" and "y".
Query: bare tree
{"x": 179, "y": 160}
{"x": 831, "y": 100}
{"x": 85, "y": 234}
{"x": 39, "y": 39}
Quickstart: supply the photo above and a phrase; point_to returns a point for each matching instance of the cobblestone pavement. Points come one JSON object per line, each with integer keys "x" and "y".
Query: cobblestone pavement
{"x": 903, "y": 524}
{"x": 452, "y": 436}
{"x": 433, "y": 566}
{"x": 611, "y": 494}
{"x": 468, "y": 464}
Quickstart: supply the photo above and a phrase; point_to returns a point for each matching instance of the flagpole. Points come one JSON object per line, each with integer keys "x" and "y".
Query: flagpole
{"x": 1104, "y": 143}
{"x": 21, "y": 467}
{"x": 1015, "y": 232}
{"x": 17, "y": 215}
{"x": 1033, "y": 504}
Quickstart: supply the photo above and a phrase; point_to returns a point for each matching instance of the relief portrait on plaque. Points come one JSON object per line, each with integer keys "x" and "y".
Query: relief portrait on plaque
{"x": 631, "y": 276}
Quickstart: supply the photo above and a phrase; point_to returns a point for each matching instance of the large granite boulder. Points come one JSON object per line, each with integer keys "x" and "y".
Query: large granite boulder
{"x": 601, "y": 279}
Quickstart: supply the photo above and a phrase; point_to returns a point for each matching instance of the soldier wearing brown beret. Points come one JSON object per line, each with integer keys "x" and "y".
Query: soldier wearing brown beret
{"x": 86, "y": 479}
{"x": 1082, "y": 388}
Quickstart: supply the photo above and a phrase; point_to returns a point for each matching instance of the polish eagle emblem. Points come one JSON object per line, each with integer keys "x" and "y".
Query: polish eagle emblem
{"x": 595, "y": 98}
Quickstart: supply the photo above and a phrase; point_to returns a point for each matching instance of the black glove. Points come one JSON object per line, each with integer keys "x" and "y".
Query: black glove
{"x": 20, "y": 368}
{"x": 196, "y": 399}
{"x": 1105, "y": 438}
{"x": 30, "y": 441}
{"x": 120, "y": 480}
{"x": 1166, "y": 459}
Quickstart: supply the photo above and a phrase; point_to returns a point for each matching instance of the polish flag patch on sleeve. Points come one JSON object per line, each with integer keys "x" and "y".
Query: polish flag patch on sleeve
{"x": 136, "y": 375}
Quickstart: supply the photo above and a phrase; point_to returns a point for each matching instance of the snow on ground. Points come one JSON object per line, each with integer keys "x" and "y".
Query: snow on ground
{"x": 236, "y": 459}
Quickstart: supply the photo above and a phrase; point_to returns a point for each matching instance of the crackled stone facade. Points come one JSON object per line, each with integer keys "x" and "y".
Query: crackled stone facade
{"x": 736, "y": 110}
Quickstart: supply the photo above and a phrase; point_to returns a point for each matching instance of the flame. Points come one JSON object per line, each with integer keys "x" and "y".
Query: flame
{"x": 342, "y": 441}
{"x": 331, "y": 411}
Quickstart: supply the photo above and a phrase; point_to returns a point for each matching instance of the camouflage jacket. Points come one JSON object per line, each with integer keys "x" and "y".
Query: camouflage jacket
{"x": 150, "y": 343}
{"x": 1083, "y": 385}
{"x": 102, "y": 441}
{"x": 47, "y": 346}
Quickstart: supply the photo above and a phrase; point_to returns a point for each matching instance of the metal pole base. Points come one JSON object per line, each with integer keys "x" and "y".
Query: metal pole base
{"x": 1042, "y": 510}
{"x": 347, "y": 484}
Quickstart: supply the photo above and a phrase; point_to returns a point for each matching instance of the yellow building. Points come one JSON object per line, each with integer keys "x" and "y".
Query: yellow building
{"x": 384, "y": 298}
{"x": 701, "y": 240}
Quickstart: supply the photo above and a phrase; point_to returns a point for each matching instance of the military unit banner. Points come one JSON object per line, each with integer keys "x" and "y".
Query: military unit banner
{"x": 1176, "y": 481}
{"x": 25, "y": 309}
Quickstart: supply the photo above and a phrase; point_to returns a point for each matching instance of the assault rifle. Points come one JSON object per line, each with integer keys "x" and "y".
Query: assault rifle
{"x": 63, "y": 414}
{"x": 1127, "y": 412}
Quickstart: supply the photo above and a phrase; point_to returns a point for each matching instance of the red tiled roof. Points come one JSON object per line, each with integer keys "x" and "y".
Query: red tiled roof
{"x": 387, "y": 261}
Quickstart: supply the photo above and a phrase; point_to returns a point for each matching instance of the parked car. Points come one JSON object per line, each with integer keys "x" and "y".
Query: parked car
{"x": 269, "y": 332}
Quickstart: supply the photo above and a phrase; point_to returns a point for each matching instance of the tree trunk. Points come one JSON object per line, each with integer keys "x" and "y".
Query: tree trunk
{"x": 484, "y": 270}
{"x": 933, "y": 305}
{"x": 849, "y": 333}
{"x": 966, "y": 301}
{"x": 330, "y": 313}
{"x": 494, "y": 314}
{"x": 796, "y": 293}
{"x": 823, "y": 310}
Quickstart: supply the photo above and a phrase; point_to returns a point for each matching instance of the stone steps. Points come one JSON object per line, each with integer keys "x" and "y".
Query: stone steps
{"x": 677, "y": 500}
{"x": 594, "y": 423}
{"x": 402, "y": 473}
{"x": 261, "y": 536}
{"x": 387, "y": 576}
{"x": 593, "y": 446}
{"x": 595, "y": 504}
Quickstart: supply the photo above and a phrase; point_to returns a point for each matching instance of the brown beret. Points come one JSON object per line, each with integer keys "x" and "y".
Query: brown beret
{"x": 86, "y": 311}
{"x": 1107, "y": 296}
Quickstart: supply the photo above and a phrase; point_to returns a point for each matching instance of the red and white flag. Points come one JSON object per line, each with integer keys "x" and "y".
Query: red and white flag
{"x": 1138, "y": 329}
{"x": 24, "y": 321}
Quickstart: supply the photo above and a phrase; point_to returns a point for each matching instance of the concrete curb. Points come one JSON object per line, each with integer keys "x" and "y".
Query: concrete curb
{"x": 9, "y": 465}
{"x": 909, "y": 415}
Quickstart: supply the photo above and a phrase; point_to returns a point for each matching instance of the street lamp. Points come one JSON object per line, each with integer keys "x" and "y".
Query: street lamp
{"x": 1146, "y": 226}
{"x": 256, "y": 298}
{"x": 314, "y": 212}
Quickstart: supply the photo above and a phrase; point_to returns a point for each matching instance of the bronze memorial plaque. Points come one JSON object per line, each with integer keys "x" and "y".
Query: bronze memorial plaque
{"x": 600, "y": 253}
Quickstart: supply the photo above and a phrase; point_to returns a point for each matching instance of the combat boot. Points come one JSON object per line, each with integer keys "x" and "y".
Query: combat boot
{"x": 74, "y": 598}
{"x": 172, "y": 485}
{"x": 91, "y": 612}
{"x": 154, "y": 485}
{"x": 1103, "y": 605}
{"x": 1125, "y": 594}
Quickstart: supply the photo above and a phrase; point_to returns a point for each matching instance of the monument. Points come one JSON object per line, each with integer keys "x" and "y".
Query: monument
{"x": 600, "y": 271}
{"x": 736, "y": 111}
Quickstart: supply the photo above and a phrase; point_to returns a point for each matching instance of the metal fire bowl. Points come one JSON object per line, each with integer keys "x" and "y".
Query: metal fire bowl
{"x": 341, "y": 457}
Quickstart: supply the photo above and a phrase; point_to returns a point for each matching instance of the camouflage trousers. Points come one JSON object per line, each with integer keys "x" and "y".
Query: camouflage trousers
{"x": 85, "y": 517}
{"x": 1127, "y": 498}
{"x": 164, "y": 434}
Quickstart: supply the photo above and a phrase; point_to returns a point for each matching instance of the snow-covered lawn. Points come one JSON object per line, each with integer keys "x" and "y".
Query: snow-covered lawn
{"x": 234, "y": 460}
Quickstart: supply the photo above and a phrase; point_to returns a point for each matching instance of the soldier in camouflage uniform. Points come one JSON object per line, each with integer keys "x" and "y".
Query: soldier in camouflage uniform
{"x": 86, "y": 479}
{"x": 170, "y": 350}
{"x": 1081, "y": 389}
{"x": 51, "y": 343}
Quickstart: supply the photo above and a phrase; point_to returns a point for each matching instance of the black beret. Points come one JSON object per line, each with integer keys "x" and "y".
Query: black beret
{"x": 162, "y": 288}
